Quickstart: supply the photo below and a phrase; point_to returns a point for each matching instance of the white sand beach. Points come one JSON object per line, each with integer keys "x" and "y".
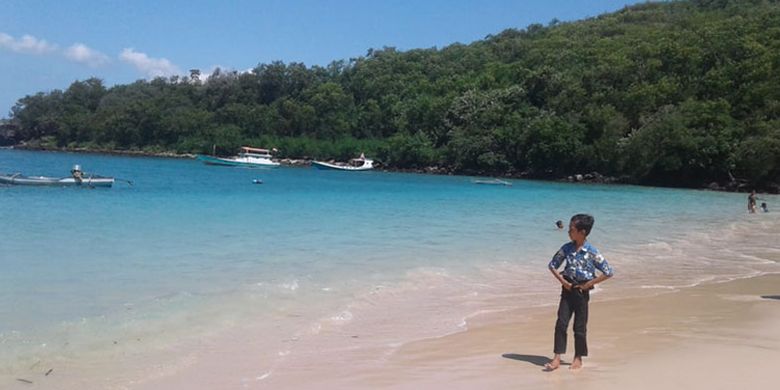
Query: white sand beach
{"x": 714, "y": 336}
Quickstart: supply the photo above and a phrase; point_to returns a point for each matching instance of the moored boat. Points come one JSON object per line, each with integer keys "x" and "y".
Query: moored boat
{"x": 248, "y": 157}
{"x": 493, "y": 182}
{"x": 356, "y": 164}
{"x": 87, "y": 181}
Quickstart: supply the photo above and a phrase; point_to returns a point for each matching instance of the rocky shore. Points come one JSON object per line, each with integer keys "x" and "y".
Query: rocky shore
{"x": 139, "y": 153}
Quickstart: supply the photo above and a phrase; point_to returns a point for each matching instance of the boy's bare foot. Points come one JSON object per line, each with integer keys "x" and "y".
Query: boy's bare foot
{"x": 576, "y": 364}
{"x": 553, "y": 364}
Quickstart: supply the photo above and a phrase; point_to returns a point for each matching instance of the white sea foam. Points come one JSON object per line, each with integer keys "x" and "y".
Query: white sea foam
{"x": 659, "y": 287}
{"x": 345, "y": 315}
{"x": 292, "y": 286}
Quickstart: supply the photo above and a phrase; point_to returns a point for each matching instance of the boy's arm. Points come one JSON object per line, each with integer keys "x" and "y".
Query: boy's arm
{"x": 606, "y": 272}
{"x": 556, "y": 262}
{"x": 590, "y": 283}
{"x": 560, "y": 278}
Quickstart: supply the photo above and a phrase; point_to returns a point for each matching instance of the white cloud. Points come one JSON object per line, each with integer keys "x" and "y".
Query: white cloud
{"x": 204, "y": 75}
{"x": 27, "y": 44}
{"x": 81, "y": 53}
{"x": 151, "y": 67}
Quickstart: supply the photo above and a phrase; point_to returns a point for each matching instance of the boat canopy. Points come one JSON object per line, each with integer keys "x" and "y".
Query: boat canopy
{"x": 358, "y": 160}
{"x": 255, "y": 150}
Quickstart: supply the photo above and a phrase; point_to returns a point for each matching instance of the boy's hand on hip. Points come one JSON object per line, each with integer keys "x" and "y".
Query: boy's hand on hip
{"x": 568, "y": 286}
{"x": 586, "y": 286}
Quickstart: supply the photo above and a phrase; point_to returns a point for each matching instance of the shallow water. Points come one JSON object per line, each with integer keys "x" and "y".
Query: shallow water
{"x": 189, "y": 251}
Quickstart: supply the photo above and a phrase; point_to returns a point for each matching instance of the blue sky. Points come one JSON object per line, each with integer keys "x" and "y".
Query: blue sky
{"x": 46, "y": 45}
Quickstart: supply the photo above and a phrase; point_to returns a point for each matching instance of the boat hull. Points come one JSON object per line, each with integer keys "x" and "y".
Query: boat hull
{"x": 55, "y": 181}
{"x": 227, "y": 162}
{"x": 494, "y": 182}
{"x": 328, "y": 166}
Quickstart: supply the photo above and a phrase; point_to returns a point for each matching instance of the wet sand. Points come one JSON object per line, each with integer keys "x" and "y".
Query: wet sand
{"x": 715, "y": 336}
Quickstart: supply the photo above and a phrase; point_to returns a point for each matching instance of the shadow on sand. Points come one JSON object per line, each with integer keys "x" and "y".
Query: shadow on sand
{"x": 533, "y": 359}
{"x": 771, "y": 297}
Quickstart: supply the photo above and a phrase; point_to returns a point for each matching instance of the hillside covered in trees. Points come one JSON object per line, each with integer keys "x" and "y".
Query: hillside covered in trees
{"x": 682, "y": 93}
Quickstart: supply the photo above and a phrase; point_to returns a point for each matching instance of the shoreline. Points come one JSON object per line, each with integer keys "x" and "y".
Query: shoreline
{"x": 110, "y": 152}
{"x": 588, "y": 178}
{"x": 359, "y": 356}
{"x": 637, "y": 342}
{"x": 657, "y": 248}
{"x": 634, "y": 342}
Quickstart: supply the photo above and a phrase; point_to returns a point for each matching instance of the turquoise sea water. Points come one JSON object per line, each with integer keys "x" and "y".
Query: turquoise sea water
{"x": 188, "y": 249}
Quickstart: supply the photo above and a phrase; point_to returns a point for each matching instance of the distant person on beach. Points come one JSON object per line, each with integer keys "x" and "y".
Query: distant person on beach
{"x": 559, "y": 224}
{"x": 764, "y": 207}
{"x": 580, "y": 260}
{"x": 752, "y": 202}
{"x": 77, "y": 174}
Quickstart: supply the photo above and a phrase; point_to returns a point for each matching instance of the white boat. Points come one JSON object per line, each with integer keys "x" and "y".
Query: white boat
{"x": 86, "y": 181}
{"x": 356, "y": 164}
{"x": 248, "y": 157}
{"x": 493, "y": 182}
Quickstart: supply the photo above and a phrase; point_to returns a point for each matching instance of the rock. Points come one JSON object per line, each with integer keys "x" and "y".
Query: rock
{"x": 436, "y": 170}
{"x": 294, "y": 162}
{"x": 7, "y": 135}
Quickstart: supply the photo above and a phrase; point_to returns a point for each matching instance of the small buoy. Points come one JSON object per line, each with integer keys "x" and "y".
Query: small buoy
{"x": 257, "y": 181}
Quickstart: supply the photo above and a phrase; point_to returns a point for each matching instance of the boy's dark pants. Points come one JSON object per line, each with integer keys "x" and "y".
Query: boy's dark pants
{"x": 572, "y": 302}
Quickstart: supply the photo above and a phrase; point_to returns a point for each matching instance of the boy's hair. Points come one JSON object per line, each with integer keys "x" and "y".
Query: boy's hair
{"x": 583, "y": 222}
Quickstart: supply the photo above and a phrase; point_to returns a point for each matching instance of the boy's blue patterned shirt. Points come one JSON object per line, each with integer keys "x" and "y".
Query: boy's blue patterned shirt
{"x": 581, "y": 265}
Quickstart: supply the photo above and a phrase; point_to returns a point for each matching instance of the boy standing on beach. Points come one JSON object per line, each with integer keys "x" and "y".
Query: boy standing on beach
{"x": 577, "y": 279}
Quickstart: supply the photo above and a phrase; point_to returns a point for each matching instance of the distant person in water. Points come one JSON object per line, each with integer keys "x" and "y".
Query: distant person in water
{"x": 559, "y": 224}
{"x": 580, "y": 261}
{"x": 752, "y": 202}
{"x": 77, "y": 174}
{"x": 764, "y": 207}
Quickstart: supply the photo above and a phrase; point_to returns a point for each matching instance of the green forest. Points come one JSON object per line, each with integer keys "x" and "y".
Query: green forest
{"x": 682, "y": 93}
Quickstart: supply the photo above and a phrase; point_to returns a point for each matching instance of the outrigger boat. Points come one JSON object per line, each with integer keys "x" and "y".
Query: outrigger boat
{"x": 248, "y": 157}
{"x": 87, "y": 181}
{"x": 356, "y": 164}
